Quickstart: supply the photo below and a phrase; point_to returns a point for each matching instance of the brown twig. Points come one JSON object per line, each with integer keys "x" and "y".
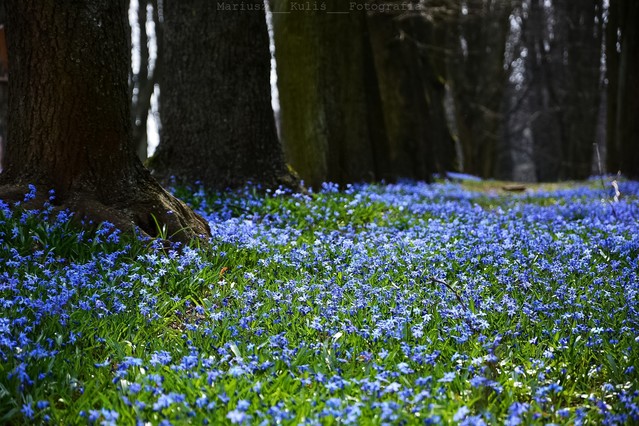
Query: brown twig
{"x": 448, "y": 286}
{"x": 459, "y": 299}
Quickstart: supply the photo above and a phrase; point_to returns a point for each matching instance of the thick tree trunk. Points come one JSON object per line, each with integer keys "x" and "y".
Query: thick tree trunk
{"x": 70, "y": 117}
{"x": 218, "y": 126}
{"x": 327, "y": 105}
{"x": 406, "y": 110}
{"x": 303, "y": 123}
{"x": 411, "y": 80}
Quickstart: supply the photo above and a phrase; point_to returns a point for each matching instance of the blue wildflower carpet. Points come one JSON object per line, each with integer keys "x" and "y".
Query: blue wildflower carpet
{"x": 376, "y": 304}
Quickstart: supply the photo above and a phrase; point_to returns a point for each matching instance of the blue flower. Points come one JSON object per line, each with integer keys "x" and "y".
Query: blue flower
{"x": 461, "y": 413}
{"x": 238, "y": 417}
{"x": 404, "y": 368}
{"x": 563, "y": 412}
{"x": 27, "y": 411}
{"x": 448, "y": 377}
{"x": 243, "y": 405}
{"x": 161, "y": 358}
{"x": 515, "y": 412}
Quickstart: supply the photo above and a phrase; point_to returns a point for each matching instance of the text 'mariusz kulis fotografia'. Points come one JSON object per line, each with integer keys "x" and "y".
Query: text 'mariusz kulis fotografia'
{"x": 321, "y": 6}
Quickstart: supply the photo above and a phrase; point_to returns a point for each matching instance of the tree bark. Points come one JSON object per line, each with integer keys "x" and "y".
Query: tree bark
{"x": 628, "y": 90}
{"x": 406, "y": 111}
{"x": 70, "y": 127}
{"x": 613, "y": 149}
{"x": 303, "y": 122}
{"x": 477, "y": 79}
{"x": 412, "y": 88}
{"x": 4, "y": 86}
{"x": 142, "y": 86}
{"x": 579, "y": 83}
{"x": 218, "y": 126}
{"x": 327, "y": 105}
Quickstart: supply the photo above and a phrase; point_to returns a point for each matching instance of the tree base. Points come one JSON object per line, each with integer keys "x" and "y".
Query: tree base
{"x": 284, "y": 176}
{"x": 150, "y": 209}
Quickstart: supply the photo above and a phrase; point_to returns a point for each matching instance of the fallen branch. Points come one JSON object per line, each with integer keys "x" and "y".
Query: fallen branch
{"x": 459, "y": 299}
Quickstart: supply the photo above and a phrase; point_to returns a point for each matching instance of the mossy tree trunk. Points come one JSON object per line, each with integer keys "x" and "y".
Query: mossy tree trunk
{"x": 412, "y": 91}
{"x": 218, "y": 126}
{"x": 327, "y": 93}
{"x": 69, "y": 117}
{"x": 360, "y": 96}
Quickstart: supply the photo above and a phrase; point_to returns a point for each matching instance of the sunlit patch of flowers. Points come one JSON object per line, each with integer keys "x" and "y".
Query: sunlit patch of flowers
{"x": 375, "y": 304}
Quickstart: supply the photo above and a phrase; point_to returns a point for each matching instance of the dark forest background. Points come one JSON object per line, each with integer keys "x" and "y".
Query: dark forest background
{"x": 524, "y": 90}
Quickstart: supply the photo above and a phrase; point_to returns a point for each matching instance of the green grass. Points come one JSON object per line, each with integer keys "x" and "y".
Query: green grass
{"x": 321, "y": 308}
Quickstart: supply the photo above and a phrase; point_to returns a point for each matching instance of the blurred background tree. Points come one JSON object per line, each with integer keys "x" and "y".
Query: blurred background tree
{"x": 622, "y": 62}
{"x": 4, "y": 86}
{"x": 477, "y": 79}
{"x": 147, "y": 40}
{"x": 525, "y": 90}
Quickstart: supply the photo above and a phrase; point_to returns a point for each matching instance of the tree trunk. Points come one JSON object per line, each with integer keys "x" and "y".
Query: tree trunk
{"x": 324, "y": 62}
{"x": 628, "y": 90}
{"x": 612, "y": 73}
{"x": 478, "y": 79}
{"x": 410, "y": 64}
{"x": 4, "y": 86}
{"x": 143, "y": 82}
{"x": 580, "y": 31}
{"x": 303, "y": 122}
{"x": 218, "y": 126}
{"x": 403, "y": 94}
{"x": 70, "y": 127}
{"x": 543, "y": 105}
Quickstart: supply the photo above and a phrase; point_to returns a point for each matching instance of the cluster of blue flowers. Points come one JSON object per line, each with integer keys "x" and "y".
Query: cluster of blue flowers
{"x": 386, "y": 304}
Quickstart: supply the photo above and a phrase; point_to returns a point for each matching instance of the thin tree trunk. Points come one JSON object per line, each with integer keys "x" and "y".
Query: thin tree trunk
{"x": 612, "y": 73}
{"x": 70, "y": 117}
{"x": 4, "y": 86}
{"x": 142, "y": 86}
{"x": 628, "y": 90}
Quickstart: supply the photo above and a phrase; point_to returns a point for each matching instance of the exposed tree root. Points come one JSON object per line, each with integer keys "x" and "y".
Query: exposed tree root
{"x": 152, "y": 210}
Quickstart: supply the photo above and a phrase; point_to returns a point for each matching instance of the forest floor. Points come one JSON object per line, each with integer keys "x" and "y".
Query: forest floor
{"x": 473, "y": 303}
